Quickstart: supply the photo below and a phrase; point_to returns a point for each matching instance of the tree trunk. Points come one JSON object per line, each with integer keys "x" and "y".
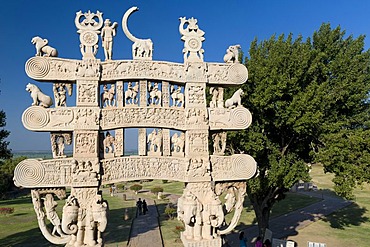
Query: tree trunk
{"x": 262, "y": 210}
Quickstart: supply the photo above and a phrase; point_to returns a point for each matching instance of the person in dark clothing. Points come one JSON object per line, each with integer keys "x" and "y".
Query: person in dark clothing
{"x": 145, "y": 207}
{"x": 139, "y": 205}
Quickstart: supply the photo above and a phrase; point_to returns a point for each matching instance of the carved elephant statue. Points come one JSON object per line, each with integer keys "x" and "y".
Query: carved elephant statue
{"x": 188, "y": 211}
{"x": 70, "y": 215}
{"x": 213, "y": 217}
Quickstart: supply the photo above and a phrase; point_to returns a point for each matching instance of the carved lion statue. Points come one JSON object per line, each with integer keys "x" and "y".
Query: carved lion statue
{"x": 42, "y": 49}
{"x": 232, "y": 54}
{"x": 38, "y": 97}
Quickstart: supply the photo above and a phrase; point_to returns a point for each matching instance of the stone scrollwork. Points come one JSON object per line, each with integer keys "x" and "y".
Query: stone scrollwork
{"x": 235, "y": 167}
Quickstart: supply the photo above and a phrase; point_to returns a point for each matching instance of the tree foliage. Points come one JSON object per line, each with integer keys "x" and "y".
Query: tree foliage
{"x": 309, "y": 100}
{"x": 5, "y": 152}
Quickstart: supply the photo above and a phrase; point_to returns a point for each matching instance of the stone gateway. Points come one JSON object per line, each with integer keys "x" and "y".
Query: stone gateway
{"x": 166, "y": 101}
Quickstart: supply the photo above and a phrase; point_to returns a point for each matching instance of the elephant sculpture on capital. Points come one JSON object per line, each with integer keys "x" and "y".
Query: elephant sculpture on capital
{"x": 189, "y": 211}
{"x": 70, "y": 216}
{"x": 213, "y": 217}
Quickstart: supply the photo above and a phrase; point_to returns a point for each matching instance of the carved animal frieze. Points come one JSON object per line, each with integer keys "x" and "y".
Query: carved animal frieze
{"x": 229, "y": 119}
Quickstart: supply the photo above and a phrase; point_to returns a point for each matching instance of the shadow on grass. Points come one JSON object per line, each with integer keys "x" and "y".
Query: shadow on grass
{"x": 353, "y": 215}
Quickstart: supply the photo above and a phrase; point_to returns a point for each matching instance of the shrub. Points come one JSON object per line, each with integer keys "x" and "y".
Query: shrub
{"x": 156, "y": 190}
{"x": 6, "y": 210}
{"x": 179, "y": 229}
{"x": 170, "y": 211}
{"x": 136, "y": 187}
{"x": 164, "y": 181}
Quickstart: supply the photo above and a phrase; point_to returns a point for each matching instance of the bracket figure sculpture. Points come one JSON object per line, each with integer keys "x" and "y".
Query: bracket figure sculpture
{"x": 167, "y": 103}
{"x": 38, "y": 97}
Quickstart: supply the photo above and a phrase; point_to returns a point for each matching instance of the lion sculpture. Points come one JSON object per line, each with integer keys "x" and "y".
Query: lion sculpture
{"x": 232, "y": 54}
{"x": 235, "y": 100}
{"x": 42, "y": 49}
{"x": 38, "y": 97}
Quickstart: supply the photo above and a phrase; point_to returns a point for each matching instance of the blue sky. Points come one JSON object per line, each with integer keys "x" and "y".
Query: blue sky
{"x": 224, "y": 22}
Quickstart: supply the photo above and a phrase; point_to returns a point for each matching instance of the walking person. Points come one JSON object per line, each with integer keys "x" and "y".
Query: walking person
{"x": 145, "y": 207}
{"x": 139, "y": 205}
{"x": 242, "y": 240}
{"x": 258, "y": 242}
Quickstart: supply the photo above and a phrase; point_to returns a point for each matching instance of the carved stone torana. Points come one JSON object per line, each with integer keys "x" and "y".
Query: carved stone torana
{"x": 166, "y": 102}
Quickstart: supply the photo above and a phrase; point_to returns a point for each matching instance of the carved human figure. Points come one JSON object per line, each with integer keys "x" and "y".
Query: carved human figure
{"x": 155, "y": 95}
{"x": 108, "y": 142}
{"x": 235, "y": 100}
{"x": 60, "y": 91}
{"x": 232, "y": 54}
{"x": 107, "y": 97}
{"x": 155, "y": 138}
{"x": 38, "y": 97}
{"x": 178, "y": 142}
{"x": 219, "y": 142}
{"x": 131, "y": 93}
{"x": 177, "y": 96}
{"x": 230, "y": 199}
{"x": 60, "y": 144}
{"x": 51, "y": 214}
{"x": 214, "y": 92}
{"x": 107, "y": 34}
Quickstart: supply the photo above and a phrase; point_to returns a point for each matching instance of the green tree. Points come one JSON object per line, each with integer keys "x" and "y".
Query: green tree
{"x": 7, "y": 174}
{"x": 309, "y": 100}
{"x": 5, "y": 152}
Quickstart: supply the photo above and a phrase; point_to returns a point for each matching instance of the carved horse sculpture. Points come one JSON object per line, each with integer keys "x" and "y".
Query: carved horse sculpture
{"x": 177, "y": 96}
{"x": 108, "y": 143}
{"x": 155, "y": 95}
{"x": 235, "y": 100}
{"x": 131, "y": 93}
{"x": 107, "y": 97}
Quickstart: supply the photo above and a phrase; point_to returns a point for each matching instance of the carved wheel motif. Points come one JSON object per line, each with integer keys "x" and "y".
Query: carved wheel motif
{"x": 28, "y": 173}
{"x": 194, "y": 44}
{"x": 238, "y": 73}
{"x": 37, "y": 67}
{"x": 89, "y": 38}
{"x": 35, "y": 117}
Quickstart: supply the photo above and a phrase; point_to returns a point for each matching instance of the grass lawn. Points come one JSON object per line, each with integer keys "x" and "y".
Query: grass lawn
{"x": 20, "y": 228}
{"x": 347, "y": 227}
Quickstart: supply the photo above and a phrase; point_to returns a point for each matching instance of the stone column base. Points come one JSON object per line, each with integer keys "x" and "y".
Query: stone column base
{"x": 216, "y": 242}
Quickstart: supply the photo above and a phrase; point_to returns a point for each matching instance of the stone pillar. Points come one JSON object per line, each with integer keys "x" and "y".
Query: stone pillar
{"x": 165, "y": 94}
{"x": 142, "y": 141}
{"x": 119, "y": 145}
{"x": 166, "y": 142}
{"x": 119, "y": 94}
{"x": 143, "y": 90}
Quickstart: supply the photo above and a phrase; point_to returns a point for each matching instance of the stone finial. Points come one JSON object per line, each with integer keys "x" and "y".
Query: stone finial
{"x": 88, "y": 25}
{"x": 141, "y": 48}
{"x": 193, "y": 38}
